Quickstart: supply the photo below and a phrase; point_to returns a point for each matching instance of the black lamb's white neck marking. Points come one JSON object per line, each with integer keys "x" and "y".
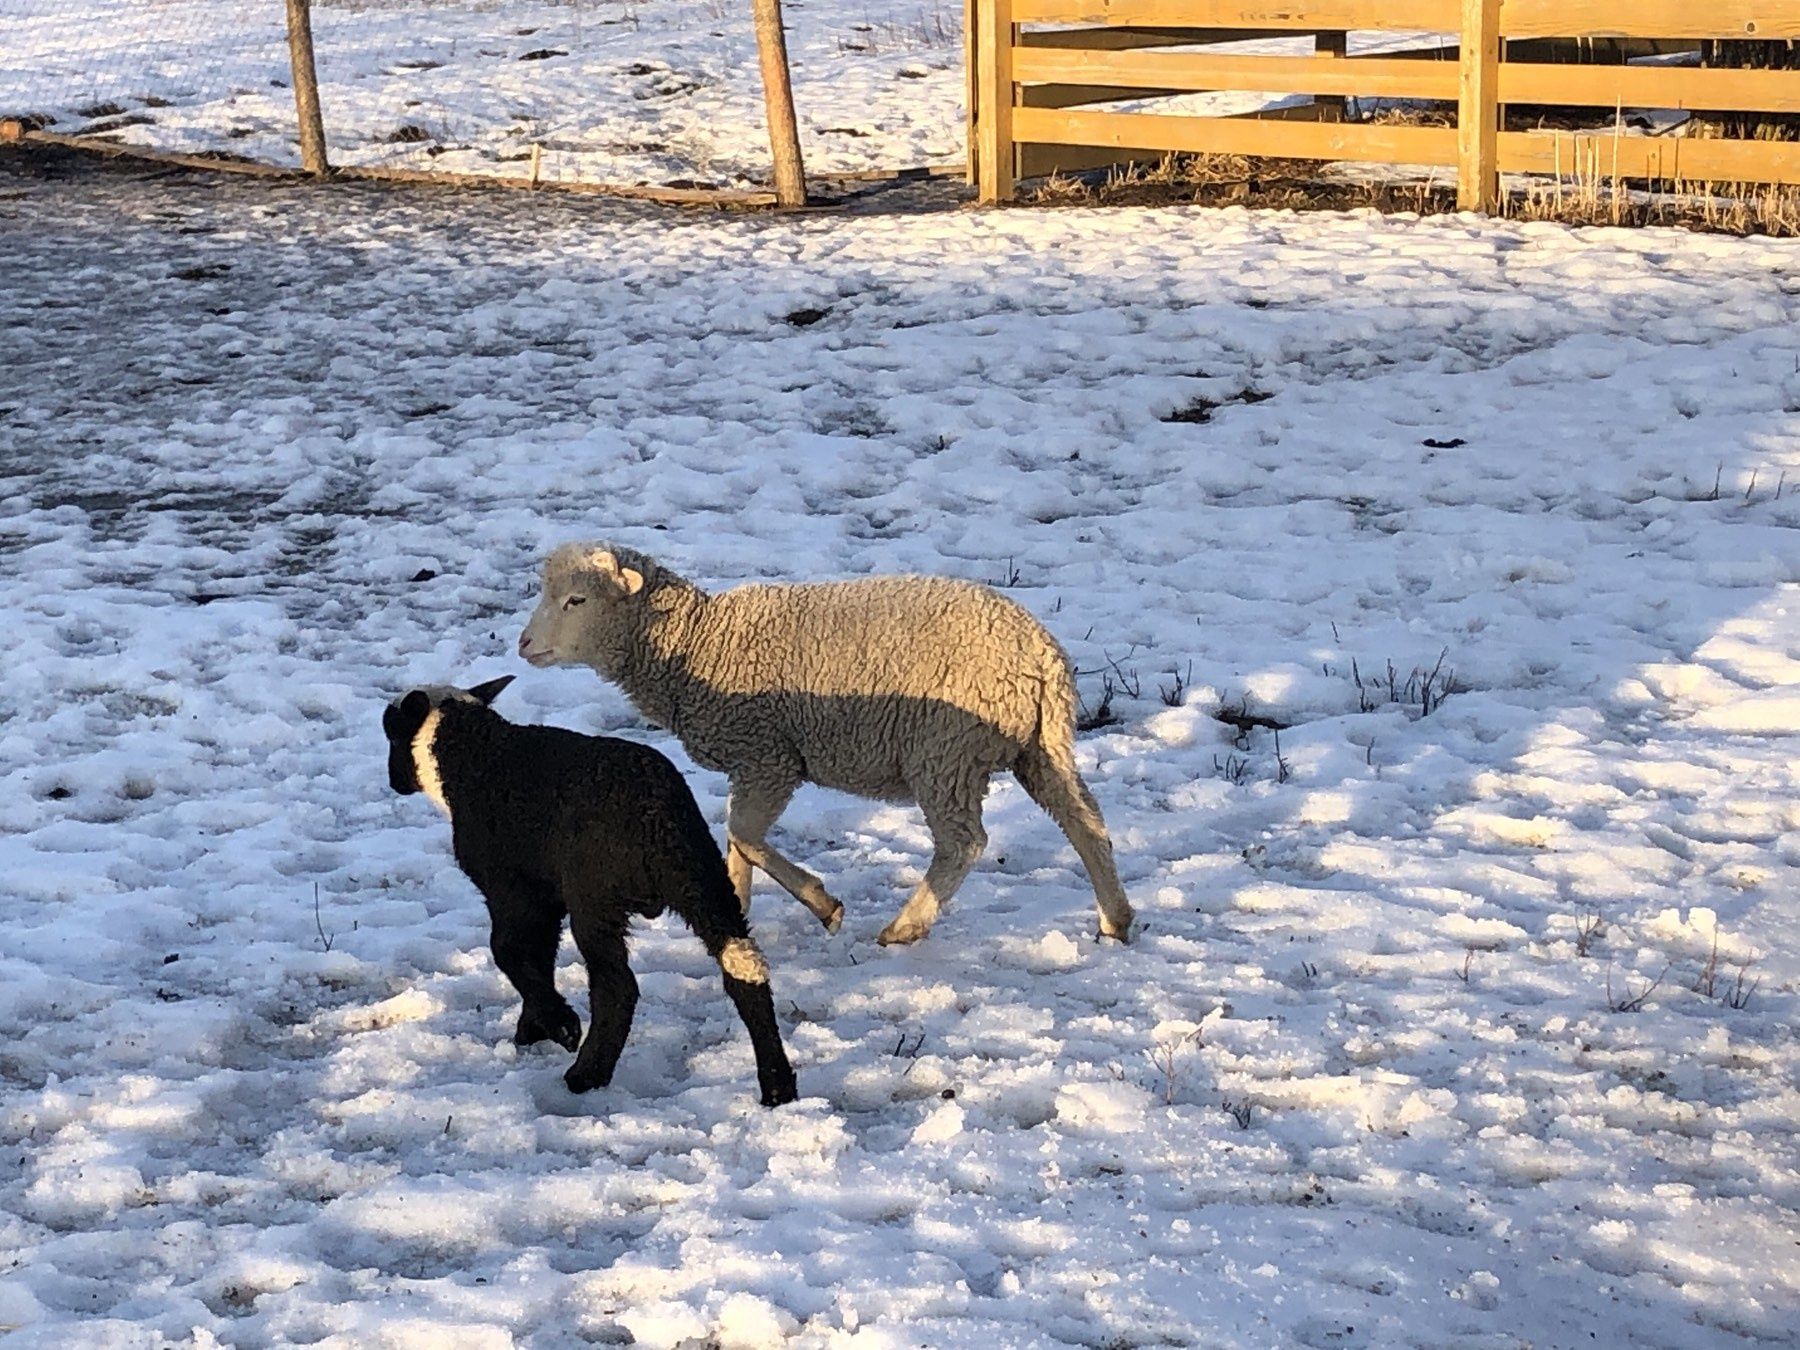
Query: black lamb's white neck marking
{"x": 425, "y": 764}
{"x": 424, "y": 741}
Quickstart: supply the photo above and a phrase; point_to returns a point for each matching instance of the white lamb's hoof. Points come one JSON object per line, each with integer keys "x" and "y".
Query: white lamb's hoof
{"x": 1116, "y": 930}
{"x": 902, "y": 931}
{"x": 835, "y": 920}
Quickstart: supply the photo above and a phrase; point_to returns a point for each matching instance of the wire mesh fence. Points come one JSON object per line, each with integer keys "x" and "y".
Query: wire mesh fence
{"x": 190, "y": 76}
{"x": 575, "y": 91}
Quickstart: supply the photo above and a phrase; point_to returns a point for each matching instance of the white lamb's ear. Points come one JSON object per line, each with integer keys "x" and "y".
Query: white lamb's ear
{"x": 626, "y": 579}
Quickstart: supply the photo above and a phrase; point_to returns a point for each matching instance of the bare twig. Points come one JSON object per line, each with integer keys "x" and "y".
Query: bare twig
{"x": 1588, "y": 928}
{"x": 1233, "y": 769}
{"x": 1171, "y": 694}
{"x": 1633, "y": 1002}
{"x": 1101, "y": 714}
{"x": 319, "y": 923}
{"x": 1738, "y": 996}
{"x": 1709, "y": 973}
{"x": 1129, "y": 683}
{"x": 1425, "y": 688}
{"x": 1431, "y": 691}
{"x": 1165, "y": 1057}
{"x": 1246, "y": 721}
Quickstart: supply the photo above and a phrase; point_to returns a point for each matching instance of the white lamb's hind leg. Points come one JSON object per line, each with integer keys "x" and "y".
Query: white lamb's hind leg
{"x": 1058, "y": 788}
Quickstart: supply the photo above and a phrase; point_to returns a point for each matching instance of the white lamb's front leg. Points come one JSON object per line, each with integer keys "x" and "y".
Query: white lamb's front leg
{"x": 752, "y": 810}
{"x": 738, "y": 866}
{"x": 957, "y": 838}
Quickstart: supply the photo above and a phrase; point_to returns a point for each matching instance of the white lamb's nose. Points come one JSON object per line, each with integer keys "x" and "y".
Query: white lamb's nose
{"x": 524, "y": 644}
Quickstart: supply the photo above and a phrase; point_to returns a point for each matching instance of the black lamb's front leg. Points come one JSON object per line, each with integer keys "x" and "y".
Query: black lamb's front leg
{"x": 527, "y": 930}
{"x": 612, "y": 1000}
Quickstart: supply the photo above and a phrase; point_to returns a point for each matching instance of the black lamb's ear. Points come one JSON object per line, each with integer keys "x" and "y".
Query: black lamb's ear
{"x": 401, "y": 721}
{"x": 485, "y": 694}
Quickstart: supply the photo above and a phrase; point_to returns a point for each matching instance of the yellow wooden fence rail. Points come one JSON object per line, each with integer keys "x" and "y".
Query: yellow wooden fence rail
{"x": 1031, "y": 90}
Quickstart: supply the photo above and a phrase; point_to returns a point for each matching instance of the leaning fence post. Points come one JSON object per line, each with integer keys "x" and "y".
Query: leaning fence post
{"x": 994, "y": 100}
{"x": 306, "y": 87}
{"x": 1478, "y": 108}
{"x": 778, "y": 99}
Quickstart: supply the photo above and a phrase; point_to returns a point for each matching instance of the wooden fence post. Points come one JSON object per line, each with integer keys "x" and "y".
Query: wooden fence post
{"x": 306, "y": 87}
{"x": 1331, "y": 106}
{"x": 972, "y": 91}
{"x": 778, "y": 99}
{"x": 994, "y": 99}
{"x": 1478, "y": 108}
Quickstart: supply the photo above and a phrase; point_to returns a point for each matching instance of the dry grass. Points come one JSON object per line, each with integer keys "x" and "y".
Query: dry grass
{"x": 1232, "y": 180}
{"x": 1588, "y": 195}
{"x": 1412, "y": 115}
{"x": 935, "y": 31}
{"x": 1585, "y": 194}
{"x": 1582, "y": 192}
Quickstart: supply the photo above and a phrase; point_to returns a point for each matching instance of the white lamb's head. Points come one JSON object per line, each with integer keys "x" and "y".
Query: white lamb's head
{"x": 583, "y": 613}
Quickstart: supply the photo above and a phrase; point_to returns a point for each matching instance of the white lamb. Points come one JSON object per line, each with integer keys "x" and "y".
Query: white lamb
{"x": 903, "y": 688}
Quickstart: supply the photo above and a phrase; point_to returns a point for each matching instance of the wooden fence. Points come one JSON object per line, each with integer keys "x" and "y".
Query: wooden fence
{"x": 1036, "y": 67}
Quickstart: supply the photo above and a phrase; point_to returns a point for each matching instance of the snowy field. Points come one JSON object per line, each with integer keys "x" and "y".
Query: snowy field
{"x": 1390, "y": 1062}
{"x": 617, "y": 91}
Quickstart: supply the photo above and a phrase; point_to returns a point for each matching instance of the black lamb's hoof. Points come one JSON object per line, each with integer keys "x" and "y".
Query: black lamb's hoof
{"x": 567, "y": 1031}
{"x": 780, "y": 1091}
{"x": 563, "y": 1027}
{"x": 584, "y": 1080}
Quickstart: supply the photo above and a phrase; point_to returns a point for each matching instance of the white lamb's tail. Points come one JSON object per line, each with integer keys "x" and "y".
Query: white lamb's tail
{"x": 1046, "y": 770}
{"x": 1058, "y": 706}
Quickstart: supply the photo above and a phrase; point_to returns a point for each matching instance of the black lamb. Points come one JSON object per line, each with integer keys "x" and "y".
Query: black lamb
{"x": 548, "y": 822}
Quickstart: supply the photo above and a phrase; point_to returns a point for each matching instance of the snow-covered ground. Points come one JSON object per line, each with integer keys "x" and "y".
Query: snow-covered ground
{"x": 614, "y": 91}
{"x": 1376, "y": 1072}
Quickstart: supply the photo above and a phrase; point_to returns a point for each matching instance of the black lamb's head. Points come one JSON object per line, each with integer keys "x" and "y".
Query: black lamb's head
{"x": 404, "y": 718}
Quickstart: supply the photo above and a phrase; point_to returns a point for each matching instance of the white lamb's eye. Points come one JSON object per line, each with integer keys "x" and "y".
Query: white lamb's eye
{"x": 574, "y": 600}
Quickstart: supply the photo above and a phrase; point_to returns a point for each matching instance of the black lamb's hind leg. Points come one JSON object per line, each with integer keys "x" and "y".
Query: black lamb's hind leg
{"x": 527, "y": 930}
{"x": 774, "y": 1075}
{"x": 612, "y": 1001}
{"x": 719, "y": 924}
